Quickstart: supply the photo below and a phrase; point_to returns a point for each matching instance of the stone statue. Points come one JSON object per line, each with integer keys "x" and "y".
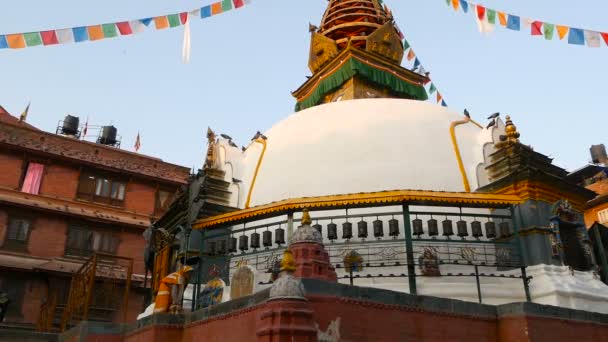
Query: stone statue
{"x": 171, "y": 289}
{"x": 429, "y": 263}
{"x": 211, "y": 158}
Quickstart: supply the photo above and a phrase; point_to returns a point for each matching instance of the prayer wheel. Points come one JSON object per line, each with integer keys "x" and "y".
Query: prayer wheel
{"x": 476, "y": 229}
{"x": 505, "y": 229}
{"x": 362, "y": 229}
{"x": 433, "y": 228}
{"x": 393, "y": 227}
{"x": 417, "y": 227}
{"x": 448, "y": 230}
{"x": 378, "y": 228}
{"x": 255, "y": 240}
{"x": 267, "y": 238}
{"x": 279, "y": 236}
{"x": 347, "y": 230}
{"x": 319, "y": 228}
{"x": 243, "y": 242}
{"x": 332, "y": 231}
{"x": 490, "y": 230}
{"x": 232, "y": 245}
{"x": 461, "y": 227}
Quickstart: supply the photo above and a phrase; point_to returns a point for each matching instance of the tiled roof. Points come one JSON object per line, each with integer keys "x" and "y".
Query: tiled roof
{"x": 25, "y": 137}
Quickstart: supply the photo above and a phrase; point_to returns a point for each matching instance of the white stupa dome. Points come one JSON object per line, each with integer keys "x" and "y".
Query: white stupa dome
{"x": 355, "y": 146}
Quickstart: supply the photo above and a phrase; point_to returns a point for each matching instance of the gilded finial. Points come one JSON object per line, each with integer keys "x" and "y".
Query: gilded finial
{"x": 306, "y": 217}
{"x": 288, "y": 264}
{"x": 511, "y": 134}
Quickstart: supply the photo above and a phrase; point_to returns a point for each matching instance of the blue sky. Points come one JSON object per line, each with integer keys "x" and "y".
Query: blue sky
{"x": 245, "y": 63}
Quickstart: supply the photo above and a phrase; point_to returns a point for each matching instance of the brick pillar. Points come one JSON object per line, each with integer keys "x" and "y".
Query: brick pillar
{"x": 312, "y": 261}
{"x": 286, "y": 320}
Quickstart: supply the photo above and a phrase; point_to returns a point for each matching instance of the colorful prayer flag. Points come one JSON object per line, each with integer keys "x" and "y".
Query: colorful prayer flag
{"x": 238, "y": 3}
{"x": 513, "y": 23}
{"x": 15, "y": 41}
{"x": 32, "y": 39}
{"x": 502, "y": 17}
{"x": 124, "y": 28}
{"x": 216, "y": 8}
{"x": 481, "y": 12}
{"x": 173, "y": 20}
{"x": 411, "y": 55}
{"x": 161, "y": 23}
{"x": 439, "y": 97}
{"x": 183, "y": 17}
{"x": 49, "y": 37}
{"x": 137, "y": 26}
{"x": 196, "y": 13}
{"x": 443, "y": 103}
{"x": 464, "y": 5}
{"x": 537, "y": 27}
{"x": 456, "y": 3}
{"x": 605, "y": 36}
{"x": 146, "y": 21}
{"x": 206, "y": 11}
{"x": 80, "y": 34}
{"x": 576, "y": 36}
{"x": 562, "y": 31}
{"x": 591, "y": 37}
{"x": 226, "y": 5}
{"x": 109, "y": 30}
{"x": 3, "y": 42}
{"x": 549, "y": 30}
{"x": 406, "y": 44}
{"x": 65, "y": 36}
{"x": 416, "y": 63}
{"x": 432, "y": 89}
{"x": 95, "y": 32}
{"x": 491, "y": 15}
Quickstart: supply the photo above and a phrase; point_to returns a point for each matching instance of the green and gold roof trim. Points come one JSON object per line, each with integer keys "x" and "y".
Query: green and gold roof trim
{"x": 360, "y": 199}
{"x": 355, "y": 62}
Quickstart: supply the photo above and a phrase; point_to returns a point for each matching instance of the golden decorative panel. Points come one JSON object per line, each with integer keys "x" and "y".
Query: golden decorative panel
{"x": 386, "y": 42}
{"x": 322, "y": 50}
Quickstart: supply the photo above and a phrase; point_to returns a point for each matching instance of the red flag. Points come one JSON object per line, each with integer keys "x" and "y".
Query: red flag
{"x": 137, "y": 143}
{"x": 238, "y": 3}
{"x": 85, "y": 129}
{"x": 124, "y": 28}
{"x": 537, "y": 28}
{"x": 49, "y": 37}
{"x": 605, "y": 36}
{"x": 183, "y": 17}
{"x": 481, "y": 12}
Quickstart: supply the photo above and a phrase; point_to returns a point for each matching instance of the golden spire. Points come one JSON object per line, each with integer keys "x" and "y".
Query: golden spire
{"x": 288, "y": 264}
{"x": 511, "y": 134}
{"x": 306, "y": 220}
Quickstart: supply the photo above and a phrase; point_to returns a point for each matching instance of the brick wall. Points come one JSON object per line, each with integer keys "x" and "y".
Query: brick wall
{"x": 140, "y": 198}
{"x": 132, "y": 245}
{"x": 11, "y": 169}
{"x": 60, "y": 181}
{"x": 3, "y": 223}
{"x": 48, "y": 236}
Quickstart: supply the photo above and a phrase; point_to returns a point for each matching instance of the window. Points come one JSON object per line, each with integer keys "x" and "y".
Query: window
{"x": 17, "y": 233}
{"x": 164, "y": 198}
{"x": 33, "y": 178}
{"x": 602, "y": 216}
{"x": 102, "y": 189}
{"x": 14, "y": 287}
{"x": 83, "y": 241}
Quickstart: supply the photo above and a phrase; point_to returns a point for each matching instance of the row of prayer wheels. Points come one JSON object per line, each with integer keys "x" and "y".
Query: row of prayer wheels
{"x": 257, "y": 240}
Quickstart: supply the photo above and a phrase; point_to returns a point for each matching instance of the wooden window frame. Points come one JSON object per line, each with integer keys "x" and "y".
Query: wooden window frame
{"x": 13, "y": 244}
{"x": 82, "y": 251}
{"x": 93, "y": 196}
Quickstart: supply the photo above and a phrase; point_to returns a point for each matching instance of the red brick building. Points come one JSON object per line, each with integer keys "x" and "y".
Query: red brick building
{"x": 61, "y": 199}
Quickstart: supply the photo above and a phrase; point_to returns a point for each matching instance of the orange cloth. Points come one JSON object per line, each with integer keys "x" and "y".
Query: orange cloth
{"x": 95, "y": 32}
{"x": 562, "y": 31}
{"x": 411, "y": 55}
{"x": 15, "y": 41}
{"x": 161, "y": 22}
{"x": 502, "y": 16}
{"x": 216, "y": 8}
{"x": 163, "y": 296}
{"x": 456, "y": 4}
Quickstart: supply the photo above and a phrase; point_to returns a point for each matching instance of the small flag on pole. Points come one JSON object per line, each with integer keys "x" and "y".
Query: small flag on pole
{"x": 137, "y": 143}
{"x": 85, "y": 129}
{"x": 23, "y": 116}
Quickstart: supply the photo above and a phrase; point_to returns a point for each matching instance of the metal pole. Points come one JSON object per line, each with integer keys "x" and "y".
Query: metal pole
{"x": 478, "y": 283}
{"x": 524, "y": 275}
{"x": 409, "y": 247}
{"x": 289, "y": 226}
{"x": 351, "y": 276}
{"x": 602, "y": 254}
